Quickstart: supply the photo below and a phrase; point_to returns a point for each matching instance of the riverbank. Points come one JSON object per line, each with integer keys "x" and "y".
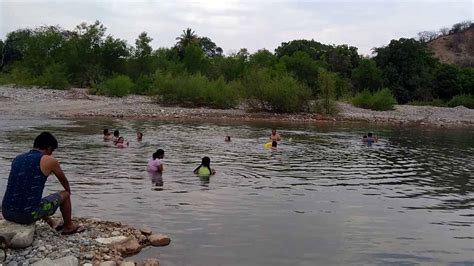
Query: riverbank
{"x": 101, "y": 242}
{"x": 78, "y": 103}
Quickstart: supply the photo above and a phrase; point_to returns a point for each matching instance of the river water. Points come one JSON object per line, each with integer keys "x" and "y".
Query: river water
{"x": 321, "y": 198}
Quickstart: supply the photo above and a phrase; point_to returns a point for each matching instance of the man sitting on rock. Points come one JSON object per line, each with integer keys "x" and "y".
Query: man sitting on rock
{"x": 22, "y": 202}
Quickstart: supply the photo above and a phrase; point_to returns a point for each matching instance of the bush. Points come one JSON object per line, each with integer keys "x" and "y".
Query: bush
{"x": 22, "y": 76}
{"x": 462, "y": 100}
{"x": 195, "y": 90}
{"x": 381, "y": 100}
{"x": 117, "y": 86}
{"x": 54, "y": 77}
{"x": 275, "y": 92}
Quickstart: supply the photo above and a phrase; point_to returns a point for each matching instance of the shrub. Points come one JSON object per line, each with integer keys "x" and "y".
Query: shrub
{"x": 195, "y": 90}
{"x": 381, "y": 100}
{"x": 22, "y": 76}
{"x": 464, "y": 100}
{"x": 275, "y": 92}
{"x": 327, "y": 82}
{"x": 117, "y": 86}
{"x": 143, "y": 85}
{"x": 54, "y": 77}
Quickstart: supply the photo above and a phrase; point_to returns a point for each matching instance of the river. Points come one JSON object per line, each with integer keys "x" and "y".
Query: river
{"x": 321, "y": 198}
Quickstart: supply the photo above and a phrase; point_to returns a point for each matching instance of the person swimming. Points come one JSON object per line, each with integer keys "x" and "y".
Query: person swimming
{"x": 139, "y": 136}
{"x": 227, "y": 139}
{"x": 116, "y": 135}
{"x": 205, "y": 168}
{"x": 107, "y": 135}
{"x": 369, "y": 139}
{"x": 121, "y": 143}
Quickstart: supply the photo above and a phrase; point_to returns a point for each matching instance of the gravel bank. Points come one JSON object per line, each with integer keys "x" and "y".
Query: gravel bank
{"x": 77, "y": 103}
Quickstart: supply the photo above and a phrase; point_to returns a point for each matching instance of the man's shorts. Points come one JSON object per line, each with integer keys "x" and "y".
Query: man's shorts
{"x": 47, "y": 207}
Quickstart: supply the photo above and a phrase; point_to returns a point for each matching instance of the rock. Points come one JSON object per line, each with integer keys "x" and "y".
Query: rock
{"x": 159, "y": 240}
{"x": 127, "y": 263}
{"x": 128, "y": 247}
{"x": 64, "y": 261}
{"x": 151, "y": 262}
{"x": 115, "y": 233}
{"x": 108, "y": 263}
{"x": 18, "y": 235}
{"x": 87, "y": 264}
{"x": 111, "y": 240}
{"x": 146, "y": 230}
{"x": 89, "y": 256}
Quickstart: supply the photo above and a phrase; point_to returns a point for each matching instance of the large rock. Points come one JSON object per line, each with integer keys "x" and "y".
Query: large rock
{"x": 158, "y": 240}
{"x": 64, "y": 261}
{"x": 151, "y": 262}
{"x": 17, "y": 235}
{"x": 111, "y": 240}
{"x": 127, "y": 247}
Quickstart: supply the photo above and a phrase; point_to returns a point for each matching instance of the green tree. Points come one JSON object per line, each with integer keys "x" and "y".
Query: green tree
{"x": 367, "y": 76}
{"x": 304, "y": 68}
{"x": 447, "y": 82}
{"x": 188, "y": 37}
{"x": 194, "y": 59}
{"x": 313, "y": 48}
{"x": 209, "y": 48}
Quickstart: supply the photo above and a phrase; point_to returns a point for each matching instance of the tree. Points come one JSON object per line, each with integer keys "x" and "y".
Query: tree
{"x": 367, "y": 76}
{"x": 427, "y": 36}
{"x": 303, "y": 68}
{"x": 313, "y": 48}
{"x": 447, "y": 82}
{"x": 142, "y": 46}
{"x": 194, "y": 59}
{"x": 188, "y": 37}
{"x": 407, "y": 67}
{"x": 209, "y": 48}
{"x": 444, "y": 31}
{"x": 342, "y": 59}
{"x": 262, "y": 58}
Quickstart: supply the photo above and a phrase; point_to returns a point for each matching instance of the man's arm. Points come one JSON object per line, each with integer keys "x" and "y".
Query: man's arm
{"x": 52, "y": 165}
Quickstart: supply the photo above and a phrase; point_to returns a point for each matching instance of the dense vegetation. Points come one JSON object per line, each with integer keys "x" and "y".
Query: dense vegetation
{"x": 301, "y": 75}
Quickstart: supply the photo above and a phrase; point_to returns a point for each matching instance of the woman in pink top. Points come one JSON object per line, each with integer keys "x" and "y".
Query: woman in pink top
{"x": 155, "y": 164}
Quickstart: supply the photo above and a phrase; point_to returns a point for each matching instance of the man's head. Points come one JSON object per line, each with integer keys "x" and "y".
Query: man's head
{"x": 106, "y": 132}
{"x": 274, "y": 131}
{"x": 116, "y": 133}
{"x": 369, "y": 135}
{"x": 46, "y": 143}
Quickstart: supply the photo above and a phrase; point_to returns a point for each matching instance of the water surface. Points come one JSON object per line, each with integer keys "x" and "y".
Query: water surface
{"x": 321, "y": 198}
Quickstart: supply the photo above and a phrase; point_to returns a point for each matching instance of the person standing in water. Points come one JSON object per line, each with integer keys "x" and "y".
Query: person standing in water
{"x": 205, "y": 168}
{"x": 369, "y": 139}
{"x": 22, "y": 202}
{"x": 275, "y": 136}
{"x": 155, "y": 165}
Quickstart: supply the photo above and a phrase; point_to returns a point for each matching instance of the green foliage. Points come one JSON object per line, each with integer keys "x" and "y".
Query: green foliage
{"x": 54, "y": 77}
{"x": 303, "y": 68}
{"x": 381, "y": 100}
{"x": 117, "y": 86}
{"x": 194, "y": 59}
{"x": 195, "y": 90}
{"x": 367, "y": 76}
{"x": 276, "y": 93}
{"x": 462, "y": 100}
{"x": 447, "y": 81}
{"x": 327, "y": 83}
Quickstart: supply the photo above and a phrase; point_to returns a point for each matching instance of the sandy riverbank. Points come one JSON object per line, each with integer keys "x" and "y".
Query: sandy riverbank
{"x": 77, "y": 103}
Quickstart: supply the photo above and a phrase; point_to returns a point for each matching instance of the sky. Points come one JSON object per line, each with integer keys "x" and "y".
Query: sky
{"x": 235, "y": 24}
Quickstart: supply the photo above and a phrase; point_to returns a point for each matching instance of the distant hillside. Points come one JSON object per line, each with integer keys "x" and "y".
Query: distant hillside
{"x": 456, "y": 48}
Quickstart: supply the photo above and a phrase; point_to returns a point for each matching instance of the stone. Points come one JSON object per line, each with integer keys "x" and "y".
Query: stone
{"x": 108, "y": 263}
{"x": 127, "y": 263}
{"x": 87, "y": 264}
{"x": 159, "y": 240}
{"x": 115, "y": 233}
{"x": 111, "y": 240}
{"x": 146, "y": 230}
{"x": 127, "y": 247}
{"x": 151, "y": 262}
{"x": 89, "y": 256}
{"x": 64, "y": 261}
{"x": 17, "y": 235}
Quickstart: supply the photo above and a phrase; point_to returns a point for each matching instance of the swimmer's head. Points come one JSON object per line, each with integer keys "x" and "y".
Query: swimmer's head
{"x": 364, "y": 137}
{"x": 106, "y": 132}
{"x": 227, "y": 138}
{"x": 120, "y": 140}
{"x": 206, "y": 161}
{"x": 369, "y": 135}
{"x": 274, "y": 131}
{"x": 116, "y": 133}
{"x": 139, "y": 135}
{"x": 159, "y": 154}
{"x": 274, "y": 144}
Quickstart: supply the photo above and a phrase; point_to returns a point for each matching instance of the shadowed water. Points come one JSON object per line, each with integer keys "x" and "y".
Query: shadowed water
{"x": 321, "y": 198}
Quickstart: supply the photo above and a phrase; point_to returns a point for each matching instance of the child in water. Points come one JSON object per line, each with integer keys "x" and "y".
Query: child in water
{"x": 227, "y": 139}
{"x": 139, "y": 136}
{"x": 205, "y": 168}
{"x": 116, "y": 136}
{"x": 107, "y": 135}
{"x": 121, "y": 143}
{"x": 155, "y": 165}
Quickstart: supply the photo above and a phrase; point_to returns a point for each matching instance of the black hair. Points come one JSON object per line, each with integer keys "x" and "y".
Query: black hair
{"x": 159, "y": 153}
{"x": 205, "y": 162}
{"x": 140, "y": 134}
{"x": 45, "y": 140}
{"x": 116, "y": 133}
{"x": 364, "y": 137}
{"x": 274, "y": 144}
{"x": 370, "y": 134}
{"x": 227, "y": 138}
{"x": 106, "y": 132}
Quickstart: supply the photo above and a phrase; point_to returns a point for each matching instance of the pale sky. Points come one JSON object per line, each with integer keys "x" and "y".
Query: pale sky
{"x": 235, "y": 24}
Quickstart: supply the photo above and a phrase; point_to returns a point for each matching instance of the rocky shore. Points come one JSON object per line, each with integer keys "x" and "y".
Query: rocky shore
{"x": 78, "y": 103}
{"x": 103, "y": 243}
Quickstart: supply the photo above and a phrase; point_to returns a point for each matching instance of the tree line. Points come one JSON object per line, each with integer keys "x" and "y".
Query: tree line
{"x": 300, "y": 75}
